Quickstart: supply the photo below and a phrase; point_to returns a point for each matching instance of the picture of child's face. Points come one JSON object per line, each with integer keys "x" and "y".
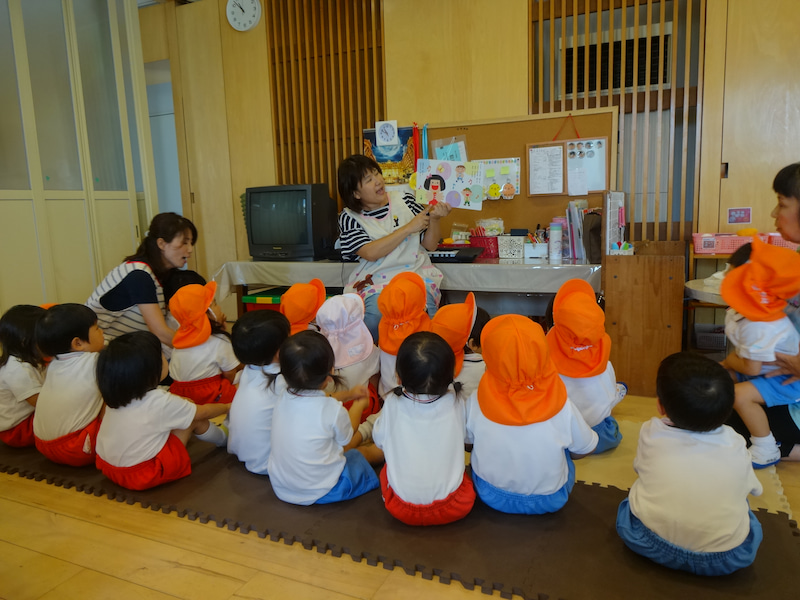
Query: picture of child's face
{"x": 509, "y": 190}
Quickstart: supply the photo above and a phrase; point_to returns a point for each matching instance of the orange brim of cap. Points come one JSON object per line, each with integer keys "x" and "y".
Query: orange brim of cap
{"x": 402, "y": 305}
{"x": 758, "y": 289}
{"x": 189, "y": 306}
{"x": 521, "y": 385}
{"x": 301, "y": 302}
{"x": 578, "y": 343}
{"x": 454, "y": 323}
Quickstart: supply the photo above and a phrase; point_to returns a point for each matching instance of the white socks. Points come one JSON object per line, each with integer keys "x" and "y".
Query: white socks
{"x": 768, "y": 441}
{"x": 215, "y": 434}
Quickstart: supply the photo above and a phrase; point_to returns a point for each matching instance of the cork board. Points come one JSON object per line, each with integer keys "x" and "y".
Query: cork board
{"x": 510, "y": 138}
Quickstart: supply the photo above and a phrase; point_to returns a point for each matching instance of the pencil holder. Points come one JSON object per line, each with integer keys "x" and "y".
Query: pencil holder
{"x": 535, "y": 250}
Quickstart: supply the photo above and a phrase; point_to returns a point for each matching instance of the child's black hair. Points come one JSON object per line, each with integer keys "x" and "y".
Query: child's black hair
{"x": 787, "y": 181}
{"x": 695, "y": 391}
{"x": 740, "y": 256}
{"x": 425, "y": 364}
{"x": 307, "y": 360}
{"x": 481, "y": 319}
{"x": 129, "y": 367}
{"x": 61, "y": 324}
{"x": 351, "y": 173}
{"x": 17, "y": 334}
{"x": 257, "y": 335}
{"x": 178, "y": 278}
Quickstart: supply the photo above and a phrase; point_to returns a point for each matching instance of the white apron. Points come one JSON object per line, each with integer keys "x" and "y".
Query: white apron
{"x": 370, "y": 278}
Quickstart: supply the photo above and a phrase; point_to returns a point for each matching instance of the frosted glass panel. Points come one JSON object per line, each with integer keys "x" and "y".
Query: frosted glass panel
{"x": 13, "y": 163}
{"x": 52, "y": 95}
{"x": 126, "y": 71}
{"x": 96, "y": 57}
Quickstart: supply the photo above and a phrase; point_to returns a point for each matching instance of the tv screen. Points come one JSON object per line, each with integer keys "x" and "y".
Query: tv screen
{"x": 280, "y": 217}
{"x": 290, "y": 222}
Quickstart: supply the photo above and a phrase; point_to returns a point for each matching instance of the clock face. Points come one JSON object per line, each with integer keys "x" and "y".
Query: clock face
{"x": 243, "y": 14}
{"x": 386, "y": 132}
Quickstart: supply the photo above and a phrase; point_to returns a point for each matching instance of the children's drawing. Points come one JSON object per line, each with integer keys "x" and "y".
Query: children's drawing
{"x": 501, "y": 172}
{"x": 460, "y": 184}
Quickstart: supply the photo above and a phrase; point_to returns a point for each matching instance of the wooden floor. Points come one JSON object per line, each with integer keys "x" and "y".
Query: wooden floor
{"x": 62, "y": 544}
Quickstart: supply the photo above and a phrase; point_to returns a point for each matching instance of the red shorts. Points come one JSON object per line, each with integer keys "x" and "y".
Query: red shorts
{"x": 440, "y": 512}
{"x": 75, "y": 449}
{"x": 172, "y": 462}
{"x": 20, "y": 435}
{"x": 205, "y": 391}
{"x": 373, "y": 408}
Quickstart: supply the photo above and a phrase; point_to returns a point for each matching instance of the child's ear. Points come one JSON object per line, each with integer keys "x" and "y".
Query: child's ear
{"x": 660, "y": 408}
{"x": 77, "y": 344}
{"x": 476, "y": 349}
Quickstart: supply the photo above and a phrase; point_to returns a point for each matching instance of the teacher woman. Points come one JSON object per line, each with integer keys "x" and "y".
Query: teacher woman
{"x": 784, "y": 421}
{"x": 388, "y": 234}
{"x": 131, "y": 298}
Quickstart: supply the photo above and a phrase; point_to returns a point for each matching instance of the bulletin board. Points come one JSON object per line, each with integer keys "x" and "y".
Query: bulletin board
{"x": 509, "y": 138}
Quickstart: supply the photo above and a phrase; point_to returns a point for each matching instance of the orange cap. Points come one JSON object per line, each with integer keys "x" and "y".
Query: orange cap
{"x": 454, "y": 323}
{"x": 758, "y": 289}
{"x": 189, "y": 305}
{"x": 578, "y": 342}
{"x": 301, "y": 302}
{"x": 402, "y": 305}
{"x": 520, "y": 385}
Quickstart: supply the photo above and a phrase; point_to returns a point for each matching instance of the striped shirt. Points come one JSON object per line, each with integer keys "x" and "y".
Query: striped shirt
{"x": 352, "y": 236}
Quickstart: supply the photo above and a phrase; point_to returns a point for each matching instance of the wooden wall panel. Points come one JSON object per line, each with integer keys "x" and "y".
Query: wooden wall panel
{"x": 153, "y": 25}
{"x": 460, "y": 61}
{"x": 21, "y": 280}
{"x": 643, "y": 331}
{"x": 248, "y": 107}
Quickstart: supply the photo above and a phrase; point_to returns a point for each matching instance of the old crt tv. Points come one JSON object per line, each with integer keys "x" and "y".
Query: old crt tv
{"x": 290, "y": 222}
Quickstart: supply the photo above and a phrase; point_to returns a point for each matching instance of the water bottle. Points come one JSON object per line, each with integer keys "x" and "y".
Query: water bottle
{"x": 555, "y": 243}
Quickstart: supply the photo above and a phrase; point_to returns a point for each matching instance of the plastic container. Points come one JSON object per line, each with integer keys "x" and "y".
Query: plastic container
{"x": 776, "y": 240}
{"x": 488, "y": 243}
{"x": 720, "y": 243}
{"x": 555, "y": 243}
{"x": 510, "y": 246}
{"x": 535, "y": 250}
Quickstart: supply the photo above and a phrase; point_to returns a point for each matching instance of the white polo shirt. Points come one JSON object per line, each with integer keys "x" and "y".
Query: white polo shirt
{"x": 210, "y": 358}
{"x": 692, "y": 487}
{"x": 18, "y": 382}
{"x": 69, "y": 399}
{"x": 594, "y": 396}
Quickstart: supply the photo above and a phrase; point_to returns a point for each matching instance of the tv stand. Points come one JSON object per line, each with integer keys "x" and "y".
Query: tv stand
{"x": 500, "y": 285}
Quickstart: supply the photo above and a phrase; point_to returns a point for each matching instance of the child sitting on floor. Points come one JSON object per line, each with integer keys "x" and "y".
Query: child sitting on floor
{"x": 143, "y": 436}
{"x": 474, "y": 367}
{"x": 453, "y": 322}
{"x": 341, "y": 320}
{"x": 421, "y": 430}
{"x": 69, "y": 407}
{"x": 402, "y": 305}
{"x": 256, "y": 337}
{"x": 301, "y": 302}
{"x": 21, "y": 374}
{"x": 525, "y": 430}
{"x": 757, "y": 326}
{"x": 580, "y": 347}
{"x": 203, "y": 365}
{"x": 307, "y": 464}
{"x": 688, "y": 509}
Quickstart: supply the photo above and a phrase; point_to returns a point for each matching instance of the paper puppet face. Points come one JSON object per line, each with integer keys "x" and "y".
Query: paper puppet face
{"x": 494, "y": 191}
{"x": 509, "y": 191}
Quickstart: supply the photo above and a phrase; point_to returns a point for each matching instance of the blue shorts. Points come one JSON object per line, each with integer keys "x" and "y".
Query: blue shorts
{"x": 608, "y": 433}
{"x": 357, "y": 478}
{"x": 775, "y": 394}
{"x": 643, "y": 541}
{"x": 522, "y": 504}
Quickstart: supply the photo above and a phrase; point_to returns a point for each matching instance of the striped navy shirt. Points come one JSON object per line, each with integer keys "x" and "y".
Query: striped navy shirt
{"x": 352, "y": 236}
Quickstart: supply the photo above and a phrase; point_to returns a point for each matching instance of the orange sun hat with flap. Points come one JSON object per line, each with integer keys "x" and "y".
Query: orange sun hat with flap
{"x": 189, "y": 306}
{"x": 521, "y": 385}
{"x": 402, "y": 305}
{"x": 454, "y": 323}
{"x": 759, "y": 289}
{"x": 578, "y": 342}
{"x": 301, "y": 302}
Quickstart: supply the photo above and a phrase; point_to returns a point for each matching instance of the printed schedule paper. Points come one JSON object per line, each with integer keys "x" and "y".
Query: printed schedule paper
{"x": 546, "y": 170}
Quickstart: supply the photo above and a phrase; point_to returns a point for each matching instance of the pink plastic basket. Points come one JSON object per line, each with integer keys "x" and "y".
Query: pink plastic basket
{"x": 721, "y": 243}
{"x": 776, "y": 240}
{"x": 488, "y": 243}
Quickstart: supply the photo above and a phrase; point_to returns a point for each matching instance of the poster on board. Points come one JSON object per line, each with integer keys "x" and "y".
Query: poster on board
{"x": 397, "y": 161}
{"x": 459, "y": 184}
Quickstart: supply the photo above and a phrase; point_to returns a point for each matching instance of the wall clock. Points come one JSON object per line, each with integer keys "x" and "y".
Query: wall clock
{"x": 243, "y": 15}
{"x": 386, "y": 133}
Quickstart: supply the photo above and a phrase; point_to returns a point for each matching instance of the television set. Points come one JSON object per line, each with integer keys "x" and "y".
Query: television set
{"x": 291, "y": 222}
